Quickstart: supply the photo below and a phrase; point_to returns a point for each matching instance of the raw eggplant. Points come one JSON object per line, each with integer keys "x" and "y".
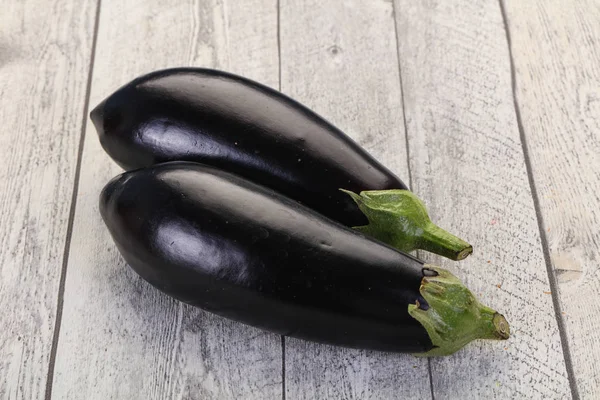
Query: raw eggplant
{"x": 217, "y": 241}
{"x": 235, "y": 124}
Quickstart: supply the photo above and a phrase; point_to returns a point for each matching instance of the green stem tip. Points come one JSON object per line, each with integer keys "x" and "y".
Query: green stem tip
{"x": 400, "y": 219}
{"x": 454, "y": 317}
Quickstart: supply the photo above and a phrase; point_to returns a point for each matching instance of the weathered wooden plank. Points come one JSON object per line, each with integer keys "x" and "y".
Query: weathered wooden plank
{"x": 120, "y": 338}
{"x": 467, "y": 163}
{"x": 339, "y": 58}
{"x": 557, "y": 64}
{"x": 45, "y": 50}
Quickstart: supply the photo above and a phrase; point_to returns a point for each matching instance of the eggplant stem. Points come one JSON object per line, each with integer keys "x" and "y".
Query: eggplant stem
{"x": 455, "y": 317}
{"x": 399, "y": 218}
{"x": 439, "y": 241}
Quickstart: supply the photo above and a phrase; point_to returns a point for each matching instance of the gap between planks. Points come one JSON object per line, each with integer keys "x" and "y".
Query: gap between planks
{"x": 409, "y": 168}
{"x": 65, "y": 260}
{"x": 540, "y": 219}
{"x": 279, "y": 86}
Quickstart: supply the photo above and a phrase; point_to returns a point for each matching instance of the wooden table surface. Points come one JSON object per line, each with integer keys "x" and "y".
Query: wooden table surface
{"x": 489, "y": 109}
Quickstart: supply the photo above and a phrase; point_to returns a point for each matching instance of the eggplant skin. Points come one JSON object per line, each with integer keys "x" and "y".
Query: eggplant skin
{"x": 235, "y": 124}
{"x": 217, "y": 241}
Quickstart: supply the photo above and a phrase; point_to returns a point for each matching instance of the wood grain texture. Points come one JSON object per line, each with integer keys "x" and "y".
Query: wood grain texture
{"x": 121, "y": 338}
{"x": 467, "y": 163}
{"x": 44, "y": 62}
{"x": 339, "y": 58}
{"x": 557, "y": 65}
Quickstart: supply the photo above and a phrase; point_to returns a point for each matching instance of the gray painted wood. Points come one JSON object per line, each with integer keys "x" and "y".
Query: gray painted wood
{"x": 339, "y": 58}
{"x": 557, "y": 64}
{"x": 467, "y": 163}
{"x": 121, "y": 338}
{"x": 44, "y": 60}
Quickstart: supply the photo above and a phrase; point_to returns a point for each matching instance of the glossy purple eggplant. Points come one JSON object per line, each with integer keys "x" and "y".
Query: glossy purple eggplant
{"x": 214, "y": 240}
{"x": 235, "y": 124}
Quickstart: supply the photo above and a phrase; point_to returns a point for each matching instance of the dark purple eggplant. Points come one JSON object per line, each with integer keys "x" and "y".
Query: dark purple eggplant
{"x": 235, "y": 124}
{"x": 217, "y": 241}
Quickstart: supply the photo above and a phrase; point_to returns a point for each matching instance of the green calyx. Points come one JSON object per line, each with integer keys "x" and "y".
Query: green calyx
{"x": 399, "y": 218}
{"x": 454, "y": 317}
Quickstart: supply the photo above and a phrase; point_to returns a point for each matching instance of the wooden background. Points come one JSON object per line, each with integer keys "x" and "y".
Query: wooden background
{"x": 489, "y": 109}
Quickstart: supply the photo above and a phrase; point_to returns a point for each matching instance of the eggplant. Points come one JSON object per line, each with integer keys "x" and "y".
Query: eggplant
{"x": 235, "y": 124}
{"x": 243, "y": 251}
